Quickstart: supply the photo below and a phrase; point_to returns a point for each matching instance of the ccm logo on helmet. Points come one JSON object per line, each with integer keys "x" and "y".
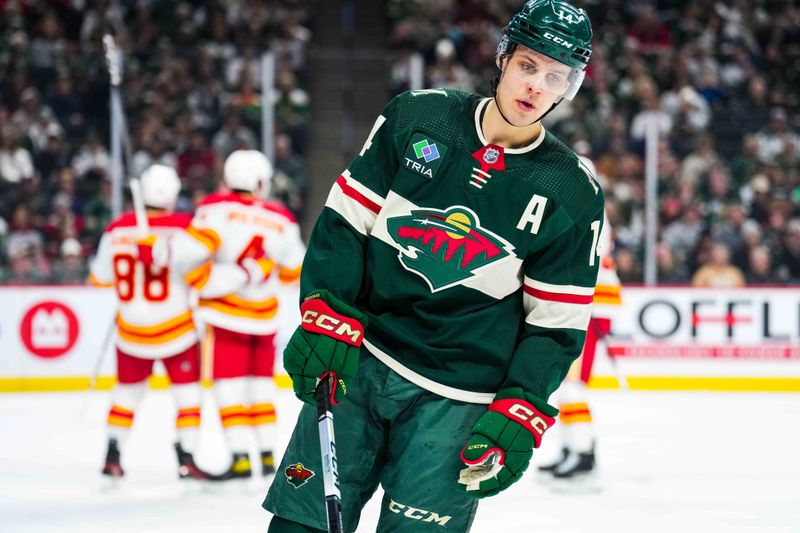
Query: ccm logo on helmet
{"x": 556, "y": 39}
{"x": 329, "y": 323}
{"x": 526, "y": 415}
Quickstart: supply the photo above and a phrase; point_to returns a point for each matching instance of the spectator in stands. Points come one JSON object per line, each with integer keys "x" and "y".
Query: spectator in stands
{"x": 291, "y": 108}
{"x": 690, "y": 112}
{"x": 717, "y": 271}
{"x": 773, "y": 140}
{"x": 68, "y": 105}
{"x": 233, "y": 136}
{"x": 759, "y": 267}
{"x": 54, "y": 157}
{"x": 92, "y": 155}
{"x": 668, "y": 270}
{"x": 35, "y": 119}
{"x": 154, "y": 149}
{"x": 745, "y": 163}
{"x": 198, "y": 162}
{"x": 97, "y": 211}
{"x": 751, "y": 111}
{"x": 650, "y": 112}
{"x": 71, "y": 266}
{"x": 683, "y": 235}
{"x": 788, "y": 264}
{"x": 290, "y": 41}
{"x": 759, "y": 189}
{"x": 716, "y": 192}
{"x": 729, "y": 231}
{"x": 648, "y": 35}
{"x": 26, "y": 264}
{"x": 700, "y": 160}
{"x": 61, "y": 223}
{"x": 23, "y": 231}
{"x": 290, "y": 182}
{"x": 446, "y": 71}
{"x": 628, "y": 268}
{"x": 16, "y": 162}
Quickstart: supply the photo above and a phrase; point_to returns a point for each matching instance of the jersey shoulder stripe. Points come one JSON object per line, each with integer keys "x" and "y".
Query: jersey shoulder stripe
{"x": 170, "y": 220}
{"x": 280, "y": 209}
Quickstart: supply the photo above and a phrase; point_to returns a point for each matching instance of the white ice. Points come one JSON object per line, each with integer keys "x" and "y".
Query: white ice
{"x": 678, "y": 462}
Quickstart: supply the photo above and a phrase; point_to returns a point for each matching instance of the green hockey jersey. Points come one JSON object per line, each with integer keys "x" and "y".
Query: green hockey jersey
{"x": 475, "y": 264}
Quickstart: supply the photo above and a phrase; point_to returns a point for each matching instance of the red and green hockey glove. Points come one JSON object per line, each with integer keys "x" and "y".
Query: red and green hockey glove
{"x": 502, "y": 442}
{"x": 328, "y": 340}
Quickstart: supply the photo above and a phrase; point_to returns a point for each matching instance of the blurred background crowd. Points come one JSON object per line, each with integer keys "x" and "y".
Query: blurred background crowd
{"x": 191, "y": 94}
{"x": 721, "y": 79}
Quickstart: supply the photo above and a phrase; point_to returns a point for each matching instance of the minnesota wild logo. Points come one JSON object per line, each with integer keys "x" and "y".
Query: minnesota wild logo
{"x": 445, "y": 247}
{"x": 297, "y": 475}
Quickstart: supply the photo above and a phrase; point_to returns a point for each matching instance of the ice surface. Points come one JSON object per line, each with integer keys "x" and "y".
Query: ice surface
{"x": 677, "y": 462}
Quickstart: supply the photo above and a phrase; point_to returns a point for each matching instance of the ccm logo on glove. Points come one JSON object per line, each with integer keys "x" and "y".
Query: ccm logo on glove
{"x": 530, "y": 418}
{"x": 318, "y": 317}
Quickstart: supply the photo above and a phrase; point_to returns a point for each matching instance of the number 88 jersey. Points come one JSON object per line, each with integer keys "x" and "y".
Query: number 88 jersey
{"x": 154, "y": 319}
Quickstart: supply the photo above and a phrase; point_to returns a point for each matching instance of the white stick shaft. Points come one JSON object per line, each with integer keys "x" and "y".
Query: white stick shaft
{"x": 138, "y": 208}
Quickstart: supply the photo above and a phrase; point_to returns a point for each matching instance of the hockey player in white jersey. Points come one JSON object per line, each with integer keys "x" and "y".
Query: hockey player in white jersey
{"x": 577, "y": 435}
{"x": 154, "y": 322}
{"x": 240, "y": 228}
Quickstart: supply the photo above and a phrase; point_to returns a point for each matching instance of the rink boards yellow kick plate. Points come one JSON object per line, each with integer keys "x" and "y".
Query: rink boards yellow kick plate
{"x": 79, "y": 383}
{"x": 654, "y": 383}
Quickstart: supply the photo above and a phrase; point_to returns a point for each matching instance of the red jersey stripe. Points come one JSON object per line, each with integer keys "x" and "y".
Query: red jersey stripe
{"x": 357, "y": 196}
{"x": 557, "y": 297}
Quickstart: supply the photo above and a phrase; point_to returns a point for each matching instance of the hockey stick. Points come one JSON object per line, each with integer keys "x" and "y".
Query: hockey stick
{"x": 327, "y": 446}
{"x": 612, "y": 359}
{"x": 106, "y": 342}
{"x": 139, "y": 211}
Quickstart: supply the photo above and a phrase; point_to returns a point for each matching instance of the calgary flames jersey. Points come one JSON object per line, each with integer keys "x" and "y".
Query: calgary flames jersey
{"x": 154, "y": 319}
{"x": 607, "y": 293}
{"x": 228, "y": 229}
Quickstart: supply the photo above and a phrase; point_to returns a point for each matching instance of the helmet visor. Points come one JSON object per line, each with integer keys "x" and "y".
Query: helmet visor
{"x": 543, "y": 73}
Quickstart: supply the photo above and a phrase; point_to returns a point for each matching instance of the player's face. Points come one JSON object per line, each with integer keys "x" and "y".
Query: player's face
{"x": 531, "y": 83}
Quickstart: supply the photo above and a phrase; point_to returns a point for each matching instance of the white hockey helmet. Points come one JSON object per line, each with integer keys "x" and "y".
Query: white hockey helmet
{"x": 248, "y": 170}
{"x": 160, "y": 187}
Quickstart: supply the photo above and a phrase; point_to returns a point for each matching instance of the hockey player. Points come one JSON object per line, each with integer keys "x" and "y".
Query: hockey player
{"x": 239, "y": 228}
{"x": 154, "y": 322}
{"x": 577, "y": 436}
{"x": 447, "y": 288}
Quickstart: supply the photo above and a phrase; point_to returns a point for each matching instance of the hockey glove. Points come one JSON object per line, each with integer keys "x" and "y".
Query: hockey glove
{"x": 152, "y": 250}
{"x": 328, "y": 340}
{"x": 502, "y": 442}
{"x": 258, "y": 271}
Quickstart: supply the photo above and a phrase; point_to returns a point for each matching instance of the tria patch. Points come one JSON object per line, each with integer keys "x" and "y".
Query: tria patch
{"x": 445, "y": 247}
{"x": 297, "y": 475}
{"x": 424, "y": 156}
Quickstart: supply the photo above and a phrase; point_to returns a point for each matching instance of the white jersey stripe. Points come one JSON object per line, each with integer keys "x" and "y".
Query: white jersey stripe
{"x": 354, "y": 212}
{"x": 363, "y": 190}
{"x": 553, "y": 315}
{"x": 428, "y": 384}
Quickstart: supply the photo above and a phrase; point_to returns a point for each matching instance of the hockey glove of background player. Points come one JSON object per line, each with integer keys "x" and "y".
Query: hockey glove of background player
{"x": 328, "y": 340}
{"x": 502, "y": 442}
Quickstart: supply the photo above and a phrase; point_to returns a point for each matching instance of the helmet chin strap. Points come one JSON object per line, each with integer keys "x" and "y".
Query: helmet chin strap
{"x": 495, "y": 83}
